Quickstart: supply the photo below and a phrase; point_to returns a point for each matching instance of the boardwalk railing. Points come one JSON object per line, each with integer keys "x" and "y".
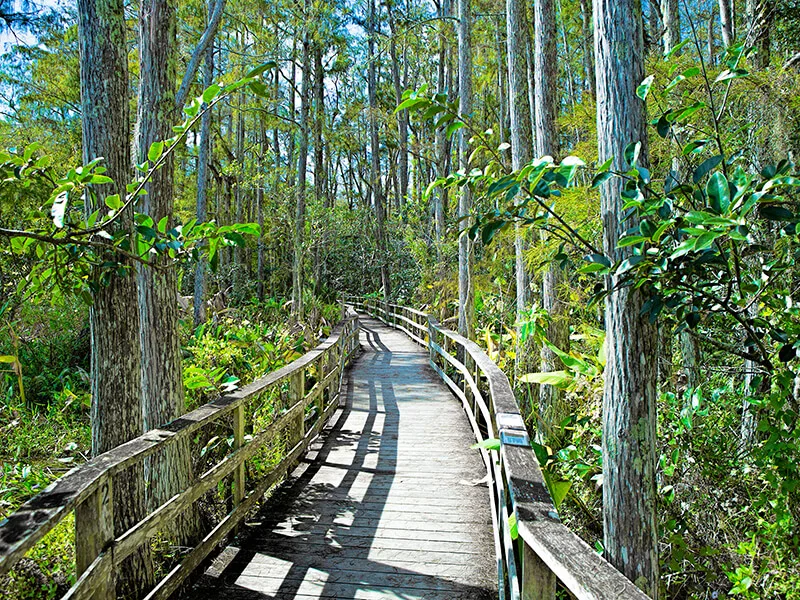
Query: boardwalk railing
{"x": 301, "y": 412}
{"x": 545, "y": 550}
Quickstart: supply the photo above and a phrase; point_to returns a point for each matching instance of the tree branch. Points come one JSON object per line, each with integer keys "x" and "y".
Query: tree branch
{"x": 197, "y": 55}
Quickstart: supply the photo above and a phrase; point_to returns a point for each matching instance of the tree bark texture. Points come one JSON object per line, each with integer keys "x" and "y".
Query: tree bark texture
{"x": 114, "y": 321}
{"x": 760, "y": 15}
{"x": 442, "y": 141}
{"x": 711, "y": 42}
{"x": 545, "y": 95}
{"x": 203, "y": 158}
{"x": 375, "y": 157}
{"x": 302, "y": 163}
{"x": 726, "y": 22}
{"x": 629, "y": 398}
{"x": 239, "y": 262}
{"x": 690, "y": 358}
{"x": 588, "y": 47}
{"x": 402, "y": 116}
{"x": 169, "y": 471}
{"x": 321, "y": 194}
{"x": 519, "y": 109}
{"x": 672, "y": 24}
{"x": 466, "y": 292}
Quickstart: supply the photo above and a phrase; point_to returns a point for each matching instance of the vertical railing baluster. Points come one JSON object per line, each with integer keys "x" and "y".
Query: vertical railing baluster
{"x": 297, "y": 391}
{"x": 238, "y": 442}
{"x": 94, "y": 532}
{"x": 538, "y": 581}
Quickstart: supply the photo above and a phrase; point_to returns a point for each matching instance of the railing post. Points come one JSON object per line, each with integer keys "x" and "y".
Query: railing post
{"x": 297, "y": 392}
{"x": 323, "y": 365}
{"x": 94, "y": 532}
{"x": 431, "y": 341}
{"x": 538, "y": 581}
{"x": 238, "y": 442}
{"x": 465, "y": 384}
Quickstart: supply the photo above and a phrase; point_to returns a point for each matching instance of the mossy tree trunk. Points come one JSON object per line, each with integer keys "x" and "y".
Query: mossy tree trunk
{"x": 114, "y": 320}
{"x": 629, "y": 397}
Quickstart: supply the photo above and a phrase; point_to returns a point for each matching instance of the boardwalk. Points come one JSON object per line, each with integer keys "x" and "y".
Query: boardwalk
{"x": 387, "y": 505}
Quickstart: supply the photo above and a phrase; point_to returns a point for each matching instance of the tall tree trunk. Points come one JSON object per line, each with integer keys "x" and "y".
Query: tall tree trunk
{"x": 113, "y": 318}
{"x": 442, "y": 142}
{"x": 519, "y": 108}
{"x": 712, "y": 47}
{"x": 759, "y": 15}
{"x": 239, "y": 266}
{"x": 726, "y": 22}
{"x": 203, "y": 158}
{"x": 690, "y": 359}
{"x": 302, "y": 163}
{"x": 588, "y": 47}
{"x": 466, "y": 292}
{"x": 402, "y": 116}
{"x": 502, "y": 83}
{"x": 261, "y": 268}
{"x": 629, "y": 397}
{"x": 531, "y": 87}
{"x": 320, "y": 173}
{"x": 170, "y": 471}
{"x": 672, "y": 24}
{"x": 545, "y": 95}
{"x": 375, "y": 158}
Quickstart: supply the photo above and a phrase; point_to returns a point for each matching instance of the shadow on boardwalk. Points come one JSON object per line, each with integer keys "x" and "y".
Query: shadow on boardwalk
{"x": 383, "y": 507}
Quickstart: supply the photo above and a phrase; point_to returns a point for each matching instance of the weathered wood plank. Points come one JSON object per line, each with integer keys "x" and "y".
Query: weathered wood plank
{"x": 24, "y": 528}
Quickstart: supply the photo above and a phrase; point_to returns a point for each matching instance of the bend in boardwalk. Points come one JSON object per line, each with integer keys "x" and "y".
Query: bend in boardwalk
{"x": 386, "y": 505}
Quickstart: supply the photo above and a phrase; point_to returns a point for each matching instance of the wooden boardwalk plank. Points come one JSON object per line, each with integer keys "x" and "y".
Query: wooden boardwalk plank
{"x": 389, "y": 505}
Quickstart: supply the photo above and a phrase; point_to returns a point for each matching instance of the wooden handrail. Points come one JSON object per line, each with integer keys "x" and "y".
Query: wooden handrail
{"x": 545, "y": 549}
{"x": 86, "y": 490}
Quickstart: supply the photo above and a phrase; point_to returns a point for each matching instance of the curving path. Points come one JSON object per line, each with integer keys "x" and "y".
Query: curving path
{"x": 386, "y": 505}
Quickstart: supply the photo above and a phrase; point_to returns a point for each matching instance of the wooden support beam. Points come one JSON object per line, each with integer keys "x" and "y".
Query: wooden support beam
{"x": 94, "y": 533}
{"x": 538, "y": 581}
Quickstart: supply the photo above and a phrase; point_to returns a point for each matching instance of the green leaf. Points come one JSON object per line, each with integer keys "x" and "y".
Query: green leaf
{"x": 155, "y": 151}
{"x": 488, "y": 444}
{"x": 490, "y": 229}
{"x": 676, "y": 49}
{"x": 728, "y": 74}
{"x": 235, "y": 239}
{"x": 453, "y": 127}
{"x": 59, "y": 208}
{"x": 513, "y": 526}
{"x": 694, "y": 146}
{"x": 211, "y": 92}
{"x": 644, "y": 87}
{"x": 705, "y": 167}
{"x": 719, "y": 195}
{"x": 260, "y": 69}
{"x": 690, "y": 72}
{"x": 632, "y": 152}
{"x": 558, "y": 489}
{"x": 601, "y": 178}
{"x": 8, "y": 358}
{"x": 559, "y": 379}
{"x": 412, "y": 103}
{"x": 248, "y": 228}
{"x": 776, "y": 213}
{"x": 113, "y": 202}
{"x": 606, "y": 165}
{"x": 100, "y": 179}
{"x": 630, "y": 240}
